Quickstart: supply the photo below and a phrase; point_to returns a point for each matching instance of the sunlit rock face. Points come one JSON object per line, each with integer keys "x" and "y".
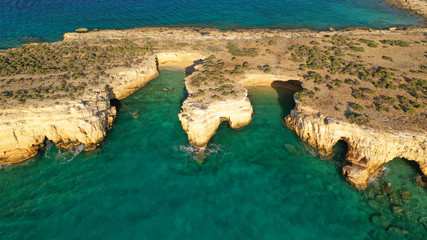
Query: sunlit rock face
{"x": 368, "y": 149}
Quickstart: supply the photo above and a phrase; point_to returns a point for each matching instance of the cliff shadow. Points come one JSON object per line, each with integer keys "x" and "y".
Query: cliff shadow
{"x": 338, "y": 159}
{"x": 116, "y": 103}
{"x": 402, "y": 168}
{"x": 113, "y": 100}
{"x": 286, "y": 91}
{"x": 188, "y": 71}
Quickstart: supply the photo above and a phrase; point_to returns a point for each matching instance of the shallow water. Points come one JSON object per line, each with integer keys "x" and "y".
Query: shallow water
{"x": 144, "y": 182}
{"x": 47, "y": 20}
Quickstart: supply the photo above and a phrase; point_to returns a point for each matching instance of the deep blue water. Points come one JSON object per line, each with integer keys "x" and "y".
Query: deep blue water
{"x": 49, "y": 19}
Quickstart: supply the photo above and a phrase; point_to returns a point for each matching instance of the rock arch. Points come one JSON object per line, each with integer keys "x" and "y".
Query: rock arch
{"x": 368, "y": 149}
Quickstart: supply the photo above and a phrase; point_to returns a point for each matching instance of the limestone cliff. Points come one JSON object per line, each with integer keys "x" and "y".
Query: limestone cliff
{"x": 201, "y": 121}
{"x": 125, "y": 81}
{"x": 368, "y": 149}
{"x": 257, "y": 57}
{"x": 25, "y": 129}
{"x": 201, "y": 115}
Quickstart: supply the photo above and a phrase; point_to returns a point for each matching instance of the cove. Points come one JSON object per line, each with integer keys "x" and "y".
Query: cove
{"x": 144, "y": 182}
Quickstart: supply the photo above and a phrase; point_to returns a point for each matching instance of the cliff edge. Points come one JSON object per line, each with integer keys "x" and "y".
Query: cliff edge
{"x": 368, "y": 149}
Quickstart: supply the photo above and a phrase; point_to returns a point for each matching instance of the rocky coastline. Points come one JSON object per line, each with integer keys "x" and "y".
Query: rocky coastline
{"x": 219, "y": 65}
{"x": 418, "y": 7}
{"x": 368, "y": 149}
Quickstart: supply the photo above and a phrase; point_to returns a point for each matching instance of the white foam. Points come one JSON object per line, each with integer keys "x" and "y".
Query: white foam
{"x": 375, "y": 179}
{"x": 68, "y": 155}
{"x": 195, "y": 153}
{"x": 48, "y": 148}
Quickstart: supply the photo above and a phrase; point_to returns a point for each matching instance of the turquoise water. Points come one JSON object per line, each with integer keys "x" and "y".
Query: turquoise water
{"x": 144, "y": 182}
{"x": 47, "y": 20}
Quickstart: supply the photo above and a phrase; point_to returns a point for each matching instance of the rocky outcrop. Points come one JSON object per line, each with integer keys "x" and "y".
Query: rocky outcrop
{"x": 201, "y": 115}
{"x": 368, "y": 149}
{"x": 413, "y": 6}
{"x": 201, "y": 121}
{"x": 125, "y": 81}
{"x": 84, "y": 122}
{"x": 24, "y": 130}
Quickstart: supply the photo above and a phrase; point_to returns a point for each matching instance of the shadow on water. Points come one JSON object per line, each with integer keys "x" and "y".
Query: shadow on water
{"x": 188, "y": 71}
{"x": 286, "y": 91}
{"x": 414, "y": 165}
{"x": 338, "y": 158}
{"x": 116, "y": 103}
{"x": 184, "y": 95}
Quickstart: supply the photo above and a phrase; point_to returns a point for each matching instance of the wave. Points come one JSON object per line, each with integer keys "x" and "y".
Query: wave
{"x": 198, "y": 155}
{"x": 66, "y": 156}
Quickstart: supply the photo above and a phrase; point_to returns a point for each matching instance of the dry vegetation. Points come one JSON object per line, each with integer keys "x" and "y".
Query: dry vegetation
{"x": 378, "y": 80}
{"x": 379, "y": 91}
{"x": 62, "y": 70}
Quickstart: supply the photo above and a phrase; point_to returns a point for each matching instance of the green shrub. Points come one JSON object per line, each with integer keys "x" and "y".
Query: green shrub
{"x": 214, "y": 49}
{"x": 303, "y": 93}
{"x": 387, "y": 58}
{"x": 370, "y": 43}
{"x": 399, "y": 43}
{"x": 317, "y": 77}
{"x": 381, "y": 107}
{"x": 357, "y": 49}
{"x": 351, "y": 82}
{"x": 235, "y": 51}
{"x": 246, "y": 65}
{"x": 216, "y": 97}
{"x": 272, "y": 42}
{"x": 267, "y": 68}
{"x": 357, "y": 107}
{"x": 385, "y": 100}
{"x": 410, "y": 110}
{"x": 359, "y": 119}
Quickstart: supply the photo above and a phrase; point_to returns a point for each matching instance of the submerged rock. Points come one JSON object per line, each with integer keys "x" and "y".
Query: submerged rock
{"x": 380, "y": 198}
{"x": 134, "y": 114}
{"x": 423, "y": 221}
{"x": 405, "y": 195}
{"x": 82, "y": 30}
{"x": 387, "y": 187}
{"x": 379, "y": 220}
{"x": 397, "y": 210}
{"x": 421, "y": 181}
{"x": 374, "y": 205}
{"x": 393, "y": 199}
{"x": 397, "y": 232}
{"x": 291, "y": 148}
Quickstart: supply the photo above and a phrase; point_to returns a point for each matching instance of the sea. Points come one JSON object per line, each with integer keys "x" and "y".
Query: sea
{"x": 145, "y": 181}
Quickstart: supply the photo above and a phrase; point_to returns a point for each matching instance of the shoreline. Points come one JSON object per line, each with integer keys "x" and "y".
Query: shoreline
{"x": 417, "y": 7}
{"x": 220, "y": 65}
